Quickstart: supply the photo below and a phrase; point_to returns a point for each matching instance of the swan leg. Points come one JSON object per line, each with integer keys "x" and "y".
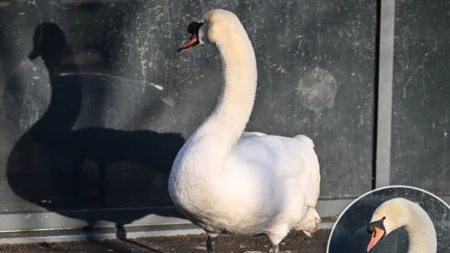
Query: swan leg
{"x": 274, "y": 249}
{"x": 210, "y": 243}
{"x": 276, "y": 236}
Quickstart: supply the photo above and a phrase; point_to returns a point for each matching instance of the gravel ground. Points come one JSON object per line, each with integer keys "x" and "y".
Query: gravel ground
{"x": 295, "y": 242}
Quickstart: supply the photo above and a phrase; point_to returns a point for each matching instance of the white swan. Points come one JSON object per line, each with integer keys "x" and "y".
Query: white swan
{"x": 400, "y": 212}
{"x": 227, "y": 181}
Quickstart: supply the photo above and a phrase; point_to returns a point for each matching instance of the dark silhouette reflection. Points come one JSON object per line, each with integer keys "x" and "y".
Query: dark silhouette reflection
{"x": 37, "y": 163}
{"x": 45, "y": 166}
{"x": 145, "y": 148}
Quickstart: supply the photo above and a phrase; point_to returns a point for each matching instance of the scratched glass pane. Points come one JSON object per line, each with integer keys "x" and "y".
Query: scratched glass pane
{"x": 420, "y": 110}
{"x": 140, "y": 100}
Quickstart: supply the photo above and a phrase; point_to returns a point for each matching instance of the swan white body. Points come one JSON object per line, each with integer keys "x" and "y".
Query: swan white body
{"x": 400, "y": 212}
{"x": 229, "y": 181}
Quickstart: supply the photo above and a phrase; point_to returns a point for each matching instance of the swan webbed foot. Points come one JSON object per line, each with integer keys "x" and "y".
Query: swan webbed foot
{"x": 210, "y": 243}
{"x": 274, "y": 249}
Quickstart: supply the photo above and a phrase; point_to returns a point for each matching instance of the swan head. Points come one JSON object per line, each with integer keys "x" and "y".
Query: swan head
{"x": 213, "y": 25}
{"x": 389, "y": 216}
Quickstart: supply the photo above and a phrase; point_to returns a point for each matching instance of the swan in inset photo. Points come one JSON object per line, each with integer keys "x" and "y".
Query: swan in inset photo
{"x": 396, "y": 218}
{"x": 400, "y": 212}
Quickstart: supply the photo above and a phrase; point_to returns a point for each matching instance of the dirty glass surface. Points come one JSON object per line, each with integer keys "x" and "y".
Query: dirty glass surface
{"x": 421, "y": 113}
{"x": 102, "y": 129}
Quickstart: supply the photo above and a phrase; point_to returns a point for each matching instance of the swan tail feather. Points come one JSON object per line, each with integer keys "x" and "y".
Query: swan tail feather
{"x": 310, "y": 222}
{"x": 305, "y": 139}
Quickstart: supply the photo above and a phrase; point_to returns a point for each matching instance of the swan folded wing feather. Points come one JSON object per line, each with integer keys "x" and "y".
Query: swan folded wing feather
{"x": 289, "y": 156}
{"x": 282, "y": 160}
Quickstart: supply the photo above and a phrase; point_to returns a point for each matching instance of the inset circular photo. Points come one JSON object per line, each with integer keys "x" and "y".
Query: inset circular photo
{"x": 395, "y": 218}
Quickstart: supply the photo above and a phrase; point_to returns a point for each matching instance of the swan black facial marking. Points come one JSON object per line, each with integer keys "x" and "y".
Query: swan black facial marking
{"x": 379, "y": 224}
{"x": 377, "y": 231}
{"x": 194, "y": 27}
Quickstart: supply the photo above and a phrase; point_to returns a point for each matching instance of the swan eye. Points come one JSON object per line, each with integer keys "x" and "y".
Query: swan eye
{"x": 384, "y": 217}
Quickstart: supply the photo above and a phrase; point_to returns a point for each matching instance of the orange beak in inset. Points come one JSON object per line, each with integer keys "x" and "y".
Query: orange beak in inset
{"x": 189, "y": 44}
{"x": 377, "y": 235}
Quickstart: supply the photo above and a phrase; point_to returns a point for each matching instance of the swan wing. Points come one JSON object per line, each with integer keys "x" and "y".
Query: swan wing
{"x": 279, "y": 163}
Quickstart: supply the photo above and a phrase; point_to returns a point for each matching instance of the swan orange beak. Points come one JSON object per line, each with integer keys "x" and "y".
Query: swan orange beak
{"x": 377, "y": 235}
{"x": 189, "y": 44}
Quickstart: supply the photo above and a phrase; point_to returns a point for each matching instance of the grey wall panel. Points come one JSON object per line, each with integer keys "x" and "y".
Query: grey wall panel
{"x": 421, "y": 108}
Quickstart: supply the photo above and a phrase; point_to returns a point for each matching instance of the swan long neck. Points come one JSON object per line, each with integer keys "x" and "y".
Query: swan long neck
{"x": 232, "y": 112}
{"x": 421, "y": 232}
